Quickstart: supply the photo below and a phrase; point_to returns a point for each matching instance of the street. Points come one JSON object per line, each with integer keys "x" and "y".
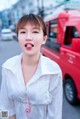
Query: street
{"x": 11, "y": 48}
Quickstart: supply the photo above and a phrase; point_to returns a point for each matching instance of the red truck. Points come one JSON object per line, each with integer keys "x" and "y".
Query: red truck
{"x": 63, "y": 46}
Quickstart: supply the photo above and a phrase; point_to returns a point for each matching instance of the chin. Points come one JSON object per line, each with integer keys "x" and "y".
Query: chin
{"x": 29, "y": 54}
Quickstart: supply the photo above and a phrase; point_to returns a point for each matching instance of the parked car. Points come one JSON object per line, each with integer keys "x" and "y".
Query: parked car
{"x": 6, "y": 34}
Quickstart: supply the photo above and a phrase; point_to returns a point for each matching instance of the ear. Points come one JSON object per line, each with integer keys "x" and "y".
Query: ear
{"x": 45, "y": 38}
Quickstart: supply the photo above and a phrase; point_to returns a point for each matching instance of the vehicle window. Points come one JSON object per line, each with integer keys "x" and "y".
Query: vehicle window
{"x": 53, "y": 29}
{"x": 71, "y": 32}
{"x": 52, "y": 39}
{"x": 75, "y": 33}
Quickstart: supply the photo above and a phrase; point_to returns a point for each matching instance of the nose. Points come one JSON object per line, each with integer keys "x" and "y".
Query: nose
{"x": 28, "y": 36}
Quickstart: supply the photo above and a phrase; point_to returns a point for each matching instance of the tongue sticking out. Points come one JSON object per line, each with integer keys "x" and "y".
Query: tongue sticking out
{"x": 29, "y": 46}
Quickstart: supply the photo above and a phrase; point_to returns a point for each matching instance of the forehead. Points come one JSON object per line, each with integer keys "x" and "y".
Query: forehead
{"x": 29, "y": 25}
{"x": 25, "y": 23}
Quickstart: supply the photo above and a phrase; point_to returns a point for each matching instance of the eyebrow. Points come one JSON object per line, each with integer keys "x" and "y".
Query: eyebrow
{"x": 32, "y": 28}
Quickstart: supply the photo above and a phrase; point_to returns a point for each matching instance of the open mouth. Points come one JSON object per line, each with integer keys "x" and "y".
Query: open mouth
{"x": 29, "y": 45}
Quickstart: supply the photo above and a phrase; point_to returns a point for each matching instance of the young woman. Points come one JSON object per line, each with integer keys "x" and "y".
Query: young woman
{"x": 31, "y": 83}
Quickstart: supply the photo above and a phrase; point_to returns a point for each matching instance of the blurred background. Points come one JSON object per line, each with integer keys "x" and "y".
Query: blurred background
{"x": 12, "y": 10}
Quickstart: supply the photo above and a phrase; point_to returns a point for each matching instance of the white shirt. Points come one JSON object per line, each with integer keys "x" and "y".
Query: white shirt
{"x": 42, "y": 95}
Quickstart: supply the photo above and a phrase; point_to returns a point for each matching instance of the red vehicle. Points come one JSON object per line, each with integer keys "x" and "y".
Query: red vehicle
{"x": 63, "y": 46}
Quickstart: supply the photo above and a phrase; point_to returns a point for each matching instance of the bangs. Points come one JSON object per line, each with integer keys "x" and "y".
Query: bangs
{"x": 27, "y": 19}
{"x": 32, "y": 19}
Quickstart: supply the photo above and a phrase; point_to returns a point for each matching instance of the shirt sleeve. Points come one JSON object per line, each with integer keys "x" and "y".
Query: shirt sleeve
{"x": 54, "y": 109}
{"x": 6, "y": 103}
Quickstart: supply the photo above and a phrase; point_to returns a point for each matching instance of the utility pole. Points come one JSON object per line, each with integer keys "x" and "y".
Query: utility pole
{"x": 40, "y": 8}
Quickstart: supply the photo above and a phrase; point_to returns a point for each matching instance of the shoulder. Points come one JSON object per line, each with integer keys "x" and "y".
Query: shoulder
{"x": 49, "y": 61}
{"x": 51, "y": 65}
{"x": 11, "y": 61}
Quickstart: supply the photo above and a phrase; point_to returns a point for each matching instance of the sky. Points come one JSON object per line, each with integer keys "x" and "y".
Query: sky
{"x": 6, "y": 4}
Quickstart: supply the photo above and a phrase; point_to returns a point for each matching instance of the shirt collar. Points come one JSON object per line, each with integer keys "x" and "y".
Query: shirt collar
{"x": 46, "y": 65}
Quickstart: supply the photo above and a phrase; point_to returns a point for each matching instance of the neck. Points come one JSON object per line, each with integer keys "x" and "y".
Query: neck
{"x": 30, "y": 60}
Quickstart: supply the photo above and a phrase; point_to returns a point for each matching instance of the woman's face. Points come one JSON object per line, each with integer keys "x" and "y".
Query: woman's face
{"x": 31, "y": 38}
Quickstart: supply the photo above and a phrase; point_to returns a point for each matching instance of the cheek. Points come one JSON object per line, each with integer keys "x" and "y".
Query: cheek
{"x": 20, "y": 40}
{"x": 21, "y": 37}
{"x": 39, "y": 43}
{"x": 39, "y": 40}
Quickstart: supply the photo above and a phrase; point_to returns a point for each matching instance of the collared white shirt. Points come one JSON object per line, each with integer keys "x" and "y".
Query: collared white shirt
{"x": 42, "y": 95}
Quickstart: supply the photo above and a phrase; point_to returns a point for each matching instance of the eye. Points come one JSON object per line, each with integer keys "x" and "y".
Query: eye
{"x": 22, "y": 32}
{"x": 35, "y": 31}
